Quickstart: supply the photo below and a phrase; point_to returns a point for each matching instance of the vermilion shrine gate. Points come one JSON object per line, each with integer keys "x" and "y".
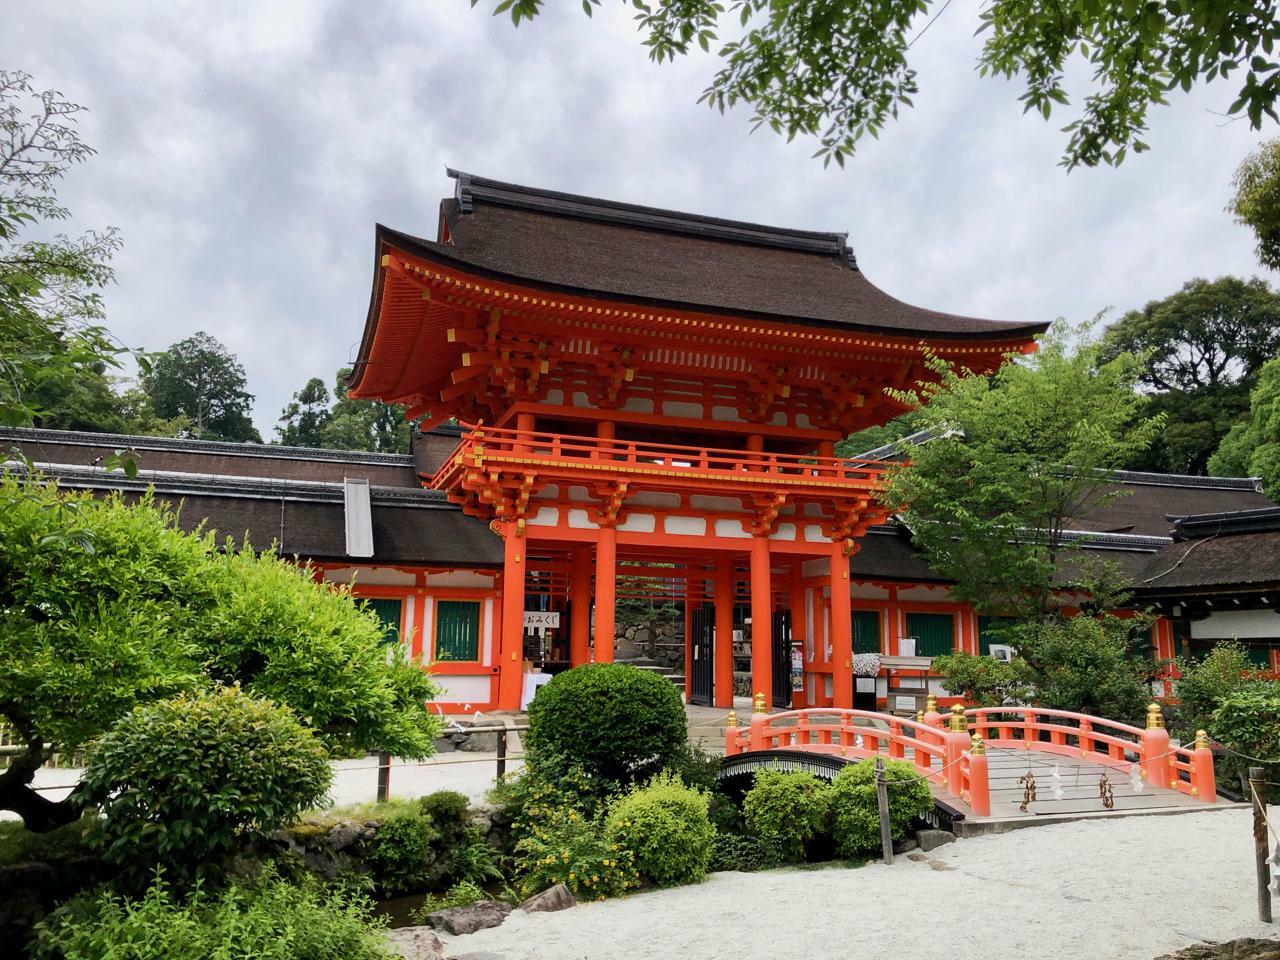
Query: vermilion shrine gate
{"x": 661, "y": 389}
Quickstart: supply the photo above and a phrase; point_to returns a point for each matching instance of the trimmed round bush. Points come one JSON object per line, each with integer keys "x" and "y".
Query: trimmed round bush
{"x": 619, "y": 723}
{"x": 402, "y": 852}
{"x": 786, "y": 810}
{"x": 665, "y": 825}
{"x": 855, "y": 818}
{"x": 186, "y": 781}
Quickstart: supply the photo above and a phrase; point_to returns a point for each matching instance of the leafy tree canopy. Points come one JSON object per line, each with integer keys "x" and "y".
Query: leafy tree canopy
{"x": 838, "y": 69}
{"x": 1252, "y": 447}
{"x": 1203, "y": 347}
{"x": 348, "y": 424}
{"x": 201, "y": 381}
{"x": 1256, "y": 203}
{"x": 1021, "y": 453}
{"x": 51, "y": 343}
{"x": 303, "y": 420}
{"x": 104, "y": 606}
{"x": 869, "y": 438}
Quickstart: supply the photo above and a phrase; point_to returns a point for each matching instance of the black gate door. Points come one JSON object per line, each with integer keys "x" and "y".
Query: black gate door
{"x": 702, "y": 622}
{"x": 782, "y": 658}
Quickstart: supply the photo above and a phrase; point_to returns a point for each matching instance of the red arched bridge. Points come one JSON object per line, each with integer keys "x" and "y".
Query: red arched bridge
{"x": 1010, "y": 754}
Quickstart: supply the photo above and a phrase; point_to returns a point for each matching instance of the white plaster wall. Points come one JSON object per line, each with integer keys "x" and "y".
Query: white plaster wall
{"x": 1237, "y": 624}
{"x": 460, "y": 578}
{"x": 370, "y": 576}
{"x": 463, "y": 688}
{"x": 686, "y": 526}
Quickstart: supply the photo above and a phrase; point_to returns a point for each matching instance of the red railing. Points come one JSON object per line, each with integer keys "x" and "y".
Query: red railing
{"x": 1188, "y": 770}
{"x": 943, "y": 756}
{"x": 487, "y": 445}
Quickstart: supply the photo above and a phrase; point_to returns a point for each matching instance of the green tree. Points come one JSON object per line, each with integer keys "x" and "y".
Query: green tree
{"x": 1256, "y": 203}
{"x": 1020, "y": 455}
{"x": 1203, "y": 347}
{"x": 201, "y": 381}
{"x": 870, "y": 438}
{"x": 52, "y": 345}
{"x": 304, "y": 419}
{"x": 364, "y": 424}
{"x": 104, "y": 606}
{"x": 1252, "y": 447}
{"x": 838, "y": 69}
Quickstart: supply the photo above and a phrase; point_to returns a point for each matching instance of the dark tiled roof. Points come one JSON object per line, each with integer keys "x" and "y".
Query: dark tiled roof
{"x": 1150, "y": 501}
{"x": 432, "y": 449}
{"x": 212, "y": 457}
{"x": 1237, "y": 549}
{"x": 640, "y": 254}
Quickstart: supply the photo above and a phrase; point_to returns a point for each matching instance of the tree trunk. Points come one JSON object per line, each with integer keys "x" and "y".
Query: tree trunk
{"x": 39, "y": 814}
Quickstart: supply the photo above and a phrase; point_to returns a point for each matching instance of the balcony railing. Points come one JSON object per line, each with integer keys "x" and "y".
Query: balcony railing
{"x": 561, "y": 455}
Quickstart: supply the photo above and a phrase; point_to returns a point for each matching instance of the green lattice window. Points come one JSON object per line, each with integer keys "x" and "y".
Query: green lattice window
{"x": 934, "y": 633}
{"x": 866, "y": 631}
{"x": 387, "y": 610}
{"x": 989, "y": 632}
{"x": 457, "y": 630}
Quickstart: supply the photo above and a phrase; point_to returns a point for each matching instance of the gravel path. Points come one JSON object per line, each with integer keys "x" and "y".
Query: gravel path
{"x": 1130, "y": 888}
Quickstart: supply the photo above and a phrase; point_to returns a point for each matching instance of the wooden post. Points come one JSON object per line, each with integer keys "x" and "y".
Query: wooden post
{"x": 761, "y": 619}
{"x": 384, "y": 776}
{"x": 580, "y": 608}
{"x": 502, "y": 752}
{"x": 1258, "y": 790}
{"x": 606, "y": 571}
{"x": 841, "y": 630}
{"x": 511, "y": 642}
{"x": 722, "y": 686}
{"x": 882, "y": 805}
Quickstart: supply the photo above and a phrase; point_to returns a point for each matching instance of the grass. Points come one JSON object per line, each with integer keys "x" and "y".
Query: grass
{"x": 328, "y": 816}
{"x": 20, "y": 845}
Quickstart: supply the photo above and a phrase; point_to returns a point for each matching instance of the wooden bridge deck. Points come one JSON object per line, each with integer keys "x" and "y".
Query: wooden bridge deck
{"x": 1081, "y": 799}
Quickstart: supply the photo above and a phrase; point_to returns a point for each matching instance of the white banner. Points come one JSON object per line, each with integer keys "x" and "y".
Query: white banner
{"x": 541, "y": 618}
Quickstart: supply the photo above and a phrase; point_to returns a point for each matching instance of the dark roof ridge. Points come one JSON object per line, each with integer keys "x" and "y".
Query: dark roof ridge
{"x": 211, "y": 484}
{"x": 267, "y": 450}
{"x": 1201, "y": 525}
{"x": 1187, "y": 480}
{"x": 471, "y": 188}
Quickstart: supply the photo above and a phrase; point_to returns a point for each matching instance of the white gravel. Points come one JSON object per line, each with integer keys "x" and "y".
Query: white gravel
{"x": 1132, "y": 888}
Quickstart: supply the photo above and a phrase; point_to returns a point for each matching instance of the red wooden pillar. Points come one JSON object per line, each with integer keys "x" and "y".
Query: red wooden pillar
{"x": 841, "y": 631}
{"x": 692, "y": 596}
{"x": 761, "y": 620}
{"x": 580, "y": 607}
{"x": 723, "y": 683}
{"x": 799, "y": 620}
{"x": 606, "y": 568}
{"x": 511, "y": 646}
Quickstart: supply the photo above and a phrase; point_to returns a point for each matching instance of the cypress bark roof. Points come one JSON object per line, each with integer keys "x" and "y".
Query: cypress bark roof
{"x": 646, "y": 255}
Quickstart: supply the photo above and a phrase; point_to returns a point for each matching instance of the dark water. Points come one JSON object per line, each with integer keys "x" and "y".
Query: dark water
{"x": 397, "y": 909}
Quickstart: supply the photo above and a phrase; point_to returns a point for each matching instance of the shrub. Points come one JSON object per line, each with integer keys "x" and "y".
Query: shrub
{"x": 855, "y": 818}
{"x": 263, "y": 919}
{"x": 665, "y": 824}
{"x": 786, "y": 811}
{"x": 733, "y": 851}
{"x": 620, "y": 724}
{"x": 401, "y": 853}
{"x": 538, "y": 794}
{"x": 985, "y": 681}
{"x": 461, "y": 894}
{"x": 569, "y": 848}
{"x": 447, "y": 809}
{"x": 186, "y": 781}
{"x": 695, "y": 767}
{"x": 1248, "y": 722}
{"x": 1204, "y": 685}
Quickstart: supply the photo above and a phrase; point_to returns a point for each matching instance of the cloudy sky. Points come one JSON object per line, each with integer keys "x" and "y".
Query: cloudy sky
{"x": 247, "y": 149}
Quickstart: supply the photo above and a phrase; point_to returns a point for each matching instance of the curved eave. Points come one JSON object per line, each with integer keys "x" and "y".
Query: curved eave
{"x": 996, "y": 341}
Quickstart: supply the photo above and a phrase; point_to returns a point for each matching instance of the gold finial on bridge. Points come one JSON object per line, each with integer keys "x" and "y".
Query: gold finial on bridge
{"x": 957, "y": 718}
{"x": 930, "y": 704}
{"x": 1155, "y": 717}
{"x": 976, "y": 747}
{"x": 758, "y": 705}
{"x": 919, "y": 716}
{"x": 1202, "y": 740}
{"x": 731, "y": 719}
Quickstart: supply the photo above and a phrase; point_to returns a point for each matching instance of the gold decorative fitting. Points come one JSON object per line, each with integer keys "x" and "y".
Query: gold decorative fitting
{"x": 1155, "y": 717}
{"x": 731, "y": 720}
{"x": 931, "y": 704}
{"x": 1202, "y": 740}
{"x": 758, "y": 705}
{"x": 957, "y": 718}
{"x": 976, "y": 747}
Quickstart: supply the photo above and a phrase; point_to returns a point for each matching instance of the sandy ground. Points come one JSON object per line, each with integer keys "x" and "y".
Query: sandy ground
{"x": 1132, "y": 888}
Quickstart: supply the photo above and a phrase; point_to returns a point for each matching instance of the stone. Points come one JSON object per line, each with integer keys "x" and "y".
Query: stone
{"x": 415, "y": 943}
{"x": 549, "y": 900}
{"x": 344, "y": 835}
{"x": 1248, "y": 948}
{"x": 444, "y": 745}
{"x": 480, "y": 915}
{"x": 480, "y": 743}
{"x": 932, "y": 839}
{"x": 940, "y": 865}
{"x": 917, "y": 857}
{"x": 905, "y": 845}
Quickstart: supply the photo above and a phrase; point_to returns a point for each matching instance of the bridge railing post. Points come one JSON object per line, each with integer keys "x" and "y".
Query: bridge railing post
{"x": 1203, "y": 784}
{"x": 955, "y": 742}
{"x": 979, "y": 778}
{"x": 732, "y": 735}
{"x": 1155, "y": 748}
